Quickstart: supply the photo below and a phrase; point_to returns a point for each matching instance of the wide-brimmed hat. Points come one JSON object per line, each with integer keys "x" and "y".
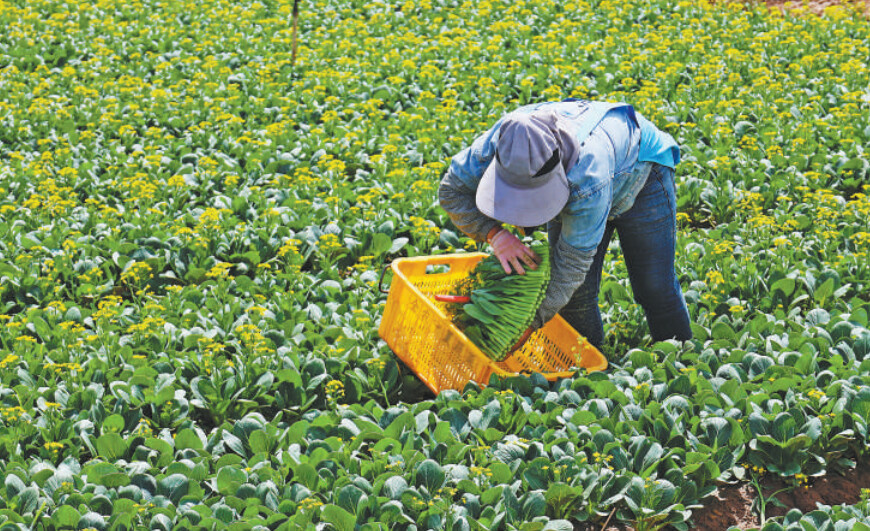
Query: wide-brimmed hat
{"x": 525, "y": 184}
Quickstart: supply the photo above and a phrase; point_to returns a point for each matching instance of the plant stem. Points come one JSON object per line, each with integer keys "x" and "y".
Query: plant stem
{"x": 764, "y": 500}
{"x": 603, "y": 527}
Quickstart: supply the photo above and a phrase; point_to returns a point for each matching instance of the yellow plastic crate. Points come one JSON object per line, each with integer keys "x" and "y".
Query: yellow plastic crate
{"x": 418, "y": 330}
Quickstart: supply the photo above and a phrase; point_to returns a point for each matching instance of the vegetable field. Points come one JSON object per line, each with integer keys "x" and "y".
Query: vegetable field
{"x": 192, "y": 228}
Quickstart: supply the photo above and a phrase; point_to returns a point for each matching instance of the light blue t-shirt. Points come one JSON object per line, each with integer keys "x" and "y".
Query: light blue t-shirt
{"x": 611, "y": 165}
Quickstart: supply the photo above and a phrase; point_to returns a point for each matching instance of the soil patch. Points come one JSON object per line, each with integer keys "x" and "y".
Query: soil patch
{"x": 731, "y": 505}
{"x": 831, "y": 489}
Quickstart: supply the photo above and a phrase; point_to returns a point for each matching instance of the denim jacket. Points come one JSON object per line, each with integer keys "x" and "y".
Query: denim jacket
{"x": 610, "y": 168}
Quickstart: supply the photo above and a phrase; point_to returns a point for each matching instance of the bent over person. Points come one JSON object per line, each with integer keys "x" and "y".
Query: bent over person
{"x": 585, "y": 169}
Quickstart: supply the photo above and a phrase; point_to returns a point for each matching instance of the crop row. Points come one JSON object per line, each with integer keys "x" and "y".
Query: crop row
{"x": 192, "y": 227}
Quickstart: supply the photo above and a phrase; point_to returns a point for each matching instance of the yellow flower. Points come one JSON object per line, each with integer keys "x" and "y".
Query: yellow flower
{"x": 8, "y": 360}
{"x": 715, "y": 278}
{"x": 219, "y": 270}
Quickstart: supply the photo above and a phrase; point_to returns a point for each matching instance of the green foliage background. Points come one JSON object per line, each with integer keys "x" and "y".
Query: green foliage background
{"x": 191, "y": 228}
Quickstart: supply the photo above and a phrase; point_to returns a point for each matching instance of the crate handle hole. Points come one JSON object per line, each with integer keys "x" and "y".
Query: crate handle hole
{"x": 437, "y": 269}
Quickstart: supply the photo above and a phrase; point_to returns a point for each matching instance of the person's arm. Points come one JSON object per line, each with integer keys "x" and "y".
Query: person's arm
{"x": 459, "y": 186}
{"x": 457, "y": 199}
{"x": 583, "y": 221}
{"x": 568, "y": 268}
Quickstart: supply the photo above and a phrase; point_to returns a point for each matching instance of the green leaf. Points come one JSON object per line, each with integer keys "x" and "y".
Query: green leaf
{"x": 535, "y": 476}
{"x": 399, "y": 425}
{"x": 786, "y": 286}
{"x": 234, "y": 443}
{"x": 583, "y": 418}
{"x": 492, "y": 435}
{"x": 91, "y": 519}
{"x": 350, "y": 498}
{"x": 338, "y": 517}
{"x": 111, "y": 446}
{"x": 224, "y": 513}
{"x": 558, "y": 525}
{"x": 491, "y": 495}
{"x": 165, "y": 449}
{"x": 478, "y": 314}
{"x": 195, "y": 275}
{"x": 641, "y": 358}
{"x": 380, "y": 244}
{"x": 398, "y": 243}
{"x": 534, "y": 505}
{"x": 784, "y": 427}
{"x": 854, "y": 164}
{"x": 114, "y": 423}
{"x": 260, "y": 441}
{"x": 115, "y": 479}
{"x": 187, "y": 438}
{"x": 758, "y": 425}
{"x": 394, "y": 487}
{"x": 243, "y": 428}
{"x": 229, "y": 479}
{"x": 501, "y": 473}
{"x": 442, "y": 433}
{"x": 743, "y": 128}
{"x": 123, "y": 505}
{"x": 646, "y": 454}
{"x": 306, "y": 475}
{"x": 14, "y": 485}
{"x": 28, "y": 243}
{"x": 824, "y": 291}
{"x": 717, "y": 430}
{"x": 722, "y": 330}
{"x": 559, "y": 495}
{"x": 66, "y": 516}
{"x": 173, "y": 487}
{"x": 28, "y": 499}
{"x": 430, "y": 475}
{"x": 73, "y": 314}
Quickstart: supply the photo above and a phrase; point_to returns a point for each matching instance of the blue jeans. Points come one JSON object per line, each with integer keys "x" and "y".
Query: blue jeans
{"x": 647, "y": 236}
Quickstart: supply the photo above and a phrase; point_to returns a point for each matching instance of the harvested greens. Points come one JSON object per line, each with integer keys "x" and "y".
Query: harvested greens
{"x": 502, "y": 306}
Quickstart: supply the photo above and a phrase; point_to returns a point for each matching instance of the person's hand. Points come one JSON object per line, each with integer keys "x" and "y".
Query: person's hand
{"x": 510, "y": 251}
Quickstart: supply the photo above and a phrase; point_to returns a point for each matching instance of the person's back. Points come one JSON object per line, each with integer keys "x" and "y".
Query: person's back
{"x": 578, "y": 166}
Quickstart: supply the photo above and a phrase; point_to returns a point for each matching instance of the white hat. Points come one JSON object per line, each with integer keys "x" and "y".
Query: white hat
{"x": 525, "y": 184}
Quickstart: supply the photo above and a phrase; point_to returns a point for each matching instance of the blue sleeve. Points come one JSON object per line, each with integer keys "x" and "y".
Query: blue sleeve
{"x": 656, "y": 145}
{"x": 458, "y": 200}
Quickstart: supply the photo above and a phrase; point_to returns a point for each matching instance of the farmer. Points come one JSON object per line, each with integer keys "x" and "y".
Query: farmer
{"x": 585, "y": 169}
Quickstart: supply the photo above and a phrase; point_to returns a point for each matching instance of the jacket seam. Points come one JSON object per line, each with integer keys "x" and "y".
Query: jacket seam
{"x": 592, "y": 191}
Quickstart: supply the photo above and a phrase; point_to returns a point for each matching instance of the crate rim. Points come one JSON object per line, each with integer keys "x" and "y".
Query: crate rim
{"x": 434, "y": 260}
{"x": 446, "y": 259}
